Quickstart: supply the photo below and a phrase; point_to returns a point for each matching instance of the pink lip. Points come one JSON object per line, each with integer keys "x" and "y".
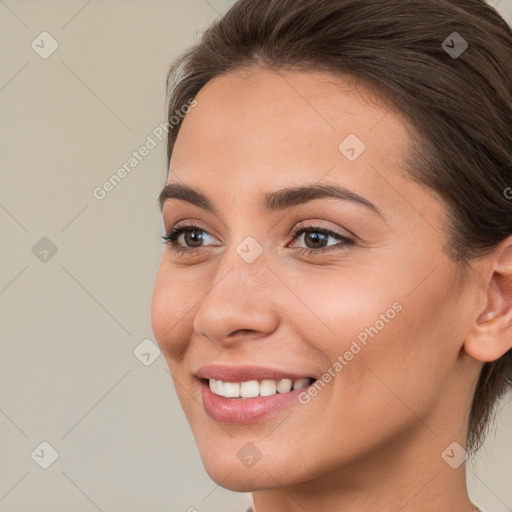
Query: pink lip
{"x": 245, "y": 410}
{"x": 243, "y": 373}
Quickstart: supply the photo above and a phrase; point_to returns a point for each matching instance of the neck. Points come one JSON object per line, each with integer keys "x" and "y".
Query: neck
{"x": 409, "y": 480}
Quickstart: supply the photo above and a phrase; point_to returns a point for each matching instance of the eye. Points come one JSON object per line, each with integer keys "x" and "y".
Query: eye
{"x": 191, "y": 234}
{"x": 316, "y": 239}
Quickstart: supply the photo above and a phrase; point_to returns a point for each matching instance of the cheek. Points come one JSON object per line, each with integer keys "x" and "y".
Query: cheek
{"x": 161, "y": 310}
{"x": 170, "y": 321}
{"x": 340, "y": 306}
{"x": 407, "y": 364}
{"x": 386, "y": 333}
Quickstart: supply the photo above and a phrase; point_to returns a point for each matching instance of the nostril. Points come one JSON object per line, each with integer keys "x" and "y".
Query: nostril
{"x": 240, "y": 331}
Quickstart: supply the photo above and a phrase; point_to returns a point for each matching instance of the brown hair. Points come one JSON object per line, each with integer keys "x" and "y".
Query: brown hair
{"x": 459, "y": 105}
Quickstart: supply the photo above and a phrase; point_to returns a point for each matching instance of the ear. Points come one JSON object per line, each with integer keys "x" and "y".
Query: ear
{"x": 490, "y": 334}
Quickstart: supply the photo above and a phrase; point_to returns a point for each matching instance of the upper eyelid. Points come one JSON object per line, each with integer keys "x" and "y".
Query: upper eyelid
{"x": 312, "y": 224}
{"x": 301, "y": 227}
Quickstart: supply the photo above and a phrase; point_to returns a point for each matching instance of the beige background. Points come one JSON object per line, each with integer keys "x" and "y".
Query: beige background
{"x": 70, "y": 321}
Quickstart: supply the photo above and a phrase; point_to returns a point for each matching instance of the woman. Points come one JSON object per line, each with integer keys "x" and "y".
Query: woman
{"x": 334, "y": 300}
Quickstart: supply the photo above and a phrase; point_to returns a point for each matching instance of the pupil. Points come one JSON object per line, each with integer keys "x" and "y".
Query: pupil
{"x": 316, "y": 237}
{"x": 193, "y": 236}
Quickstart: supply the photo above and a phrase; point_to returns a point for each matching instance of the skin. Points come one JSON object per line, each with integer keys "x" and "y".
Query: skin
{"x": 372, "y": 439}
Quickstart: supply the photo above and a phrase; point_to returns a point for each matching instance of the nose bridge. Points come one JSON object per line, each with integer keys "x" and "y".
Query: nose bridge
{"x": 244, "y": 263}
{"x": 238, "y": 298}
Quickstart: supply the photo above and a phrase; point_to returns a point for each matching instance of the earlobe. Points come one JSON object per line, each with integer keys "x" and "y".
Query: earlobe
{"x": 490, "y": 336}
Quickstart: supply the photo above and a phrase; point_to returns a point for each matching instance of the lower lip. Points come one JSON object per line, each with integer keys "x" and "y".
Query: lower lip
{"x": 246, "y": 410}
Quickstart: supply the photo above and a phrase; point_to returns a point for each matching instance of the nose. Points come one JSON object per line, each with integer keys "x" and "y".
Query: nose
{"x": 240, "y": 304}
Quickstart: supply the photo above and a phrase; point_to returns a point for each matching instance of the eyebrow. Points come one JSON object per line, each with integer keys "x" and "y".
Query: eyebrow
{"x": 271, "y": 201}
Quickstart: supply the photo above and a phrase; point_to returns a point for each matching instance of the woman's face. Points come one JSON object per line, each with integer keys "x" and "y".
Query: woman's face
{"x": 373, "y": 311}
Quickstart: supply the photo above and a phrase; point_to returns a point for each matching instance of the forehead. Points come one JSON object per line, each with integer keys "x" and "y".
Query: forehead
{"x": 257, "y": 130}
{"x": 320, "y": 98}
{"x": 258, "y": 113}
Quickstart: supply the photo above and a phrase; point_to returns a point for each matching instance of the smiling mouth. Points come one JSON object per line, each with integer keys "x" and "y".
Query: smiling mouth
{"x": 256, "y": 388}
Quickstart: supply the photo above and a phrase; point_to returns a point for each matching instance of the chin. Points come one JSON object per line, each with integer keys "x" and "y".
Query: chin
{"x": 237, "y": 479}
{"x": 234, "y": 470}
{"x": 236, "y": 483}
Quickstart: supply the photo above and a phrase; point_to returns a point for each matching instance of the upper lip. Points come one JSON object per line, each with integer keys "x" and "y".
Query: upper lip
{"x": 244, "y": 373}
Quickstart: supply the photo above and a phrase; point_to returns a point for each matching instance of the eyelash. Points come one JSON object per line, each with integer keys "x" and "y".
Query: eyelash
{"x": 171, "y": 238}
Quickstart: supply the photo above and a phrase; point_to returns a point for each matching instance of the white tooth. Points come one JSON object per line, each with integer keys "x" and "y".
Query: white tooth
{"x": 284, "y": 385}
{"x": 300, "y": 383}
{"x": 268, "y": 387}
{"x": 253, "y": 388}
{"x": 249, "y": 389}
{"x": 232, "y": 389}
{"x": 219, "y": 388}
